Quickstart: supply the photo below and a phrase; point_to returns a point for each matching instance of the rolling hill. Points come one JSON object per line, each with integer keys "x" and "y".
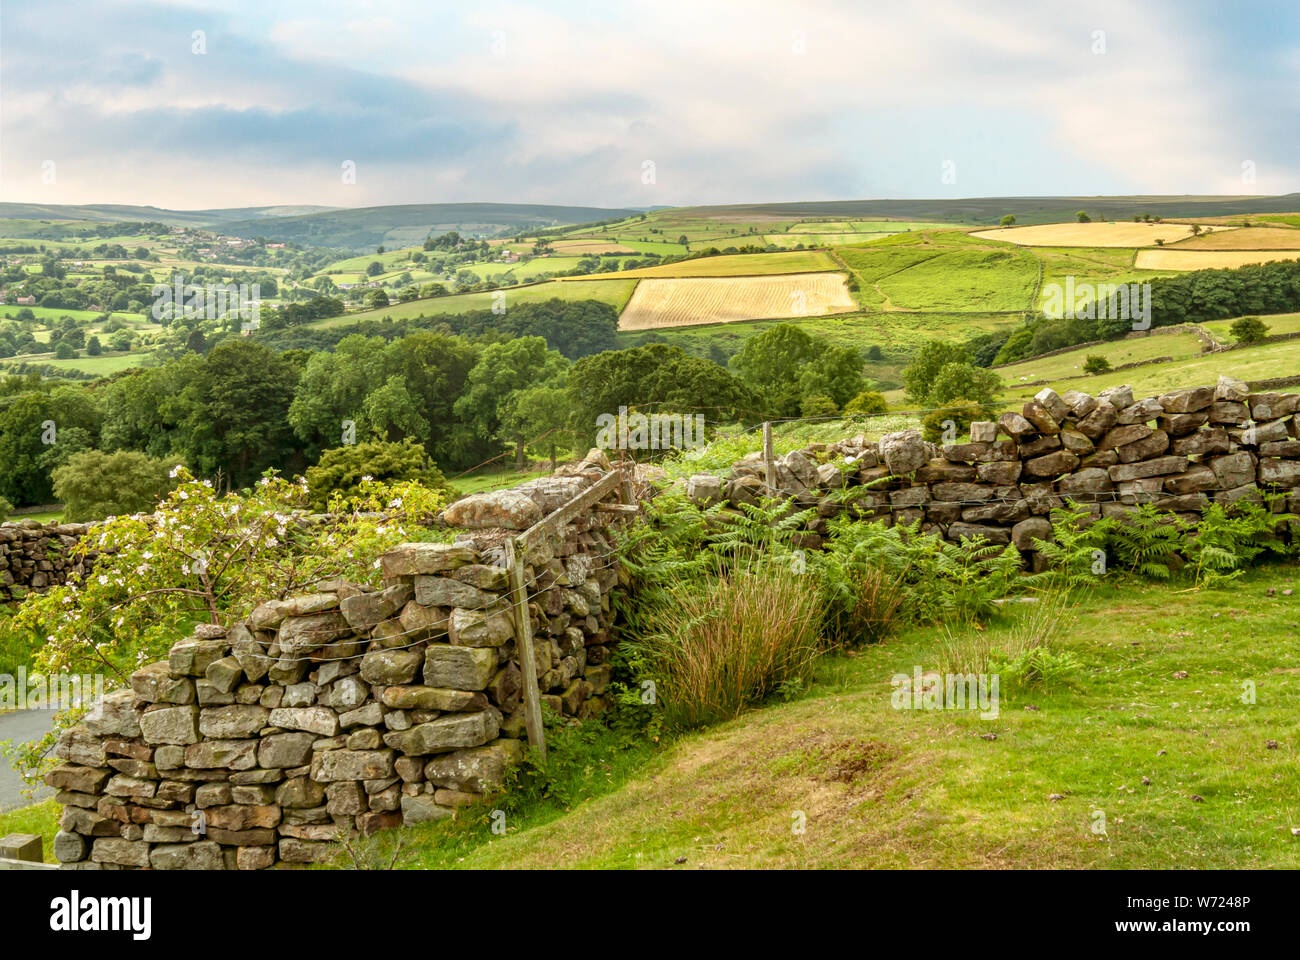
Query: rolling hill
{"x": 1027, "y": 210}
{"x": 118, "y": 212}
{"x": 409, "y": 223}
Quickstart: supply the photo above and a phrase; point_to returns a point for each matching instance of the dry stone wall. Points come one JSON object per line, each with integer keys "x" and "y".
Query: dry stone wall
{"x": 34, "y": 556}
{"x": 351, "y": 708}
{"x": 1107, "y": 455}
{"x": 358, "y": 707}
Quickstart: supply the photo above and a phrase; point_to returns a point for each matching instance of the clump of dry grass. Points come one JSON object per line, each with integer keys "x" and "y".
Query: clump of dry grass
{"x": 720, "y": 644}
{"x": 1029, "y": 649}
{"x": 875, "y": 597}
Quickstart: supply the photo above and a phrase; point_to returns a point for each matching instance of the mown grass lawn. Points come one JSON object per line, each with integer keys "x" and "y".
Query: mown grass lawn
{"x": 879, "y": 787}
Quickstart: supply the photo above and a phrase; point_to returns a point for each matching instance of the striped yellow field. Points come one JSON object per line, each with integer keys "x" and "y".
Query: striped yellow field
{"x": 1208, "y": 259}
{"x": 731, "y": 265}
{"x": 1245, "y": 238}
{"x": 1097, "y": 234}
{"x": 658, "y": 303}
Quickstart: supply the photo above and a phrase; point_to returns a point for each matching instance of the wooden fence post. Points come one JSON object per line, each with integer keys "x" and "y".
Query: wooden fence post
{"x": 516, "y": 549}
{"x": 769, "y": 465}
{"x": 524, "y": 643}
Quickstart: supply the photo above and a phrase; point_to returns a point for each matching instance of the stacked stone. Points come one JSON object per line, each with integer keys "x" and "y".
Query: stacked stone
{"x": 352, "y": 708}
{"x": 570, "y": 576}
{"x": 1107, "y": 455}
{"x": 36, "y": 556}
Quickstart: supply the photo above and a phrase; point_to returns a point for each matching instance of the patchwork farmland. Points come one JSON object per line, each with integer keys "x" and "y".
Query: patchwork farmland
{"x": 798, "y": 261}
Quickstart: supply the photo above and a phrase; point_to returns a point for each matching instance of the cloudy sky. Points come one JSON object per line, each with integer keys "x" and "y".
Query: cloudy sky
{"x": 566, "y": 100}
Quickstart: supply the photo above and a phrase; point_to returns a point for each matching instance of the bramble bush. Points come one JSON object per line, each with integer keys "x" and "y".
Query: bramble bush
{"x": 209, "y": 557}
{"x": 206, "y": 557}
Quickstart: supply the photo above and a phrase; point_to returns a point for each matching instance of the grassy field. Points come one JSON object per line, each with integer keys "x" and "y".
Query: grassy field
{"x": 871, "y": 264}
{"x": 1277, "y": 323}
{"x": 10, "y": 310}
{"x": 1262, "y": 362}
{"x": 49, "y": 516}
{"x": 899, "y": 335}
{"x": 533, "y": 268}
{"x": 1091, "y": 265}
{"x": 102, "y": 365}
{"x": 613, "y": 292}
{"x": 754, "y": 264}
{"x": 40, "y": 818}
{"x": 498, "y": 479}
{"x": 1289, "y": 219}
{"x": 661, "y": 302}
{"x": 635, "y": 242}
{"x": 976, "y": 280}
{"x": 1141, "y": 350}
{"x": 1180, "y": 770}
{"x": 820, "y": 239}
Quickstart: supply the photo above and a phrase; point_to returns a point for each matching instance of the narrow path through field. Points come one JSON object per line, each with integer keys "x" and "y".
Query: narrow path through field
{"x": 889, "y": 304}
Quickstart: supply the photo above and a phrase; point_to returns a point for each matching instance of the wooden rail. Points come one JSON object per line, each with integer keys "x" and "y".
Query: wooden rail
{"x": 535, "y": 535}
{"x": 517, "y": 549}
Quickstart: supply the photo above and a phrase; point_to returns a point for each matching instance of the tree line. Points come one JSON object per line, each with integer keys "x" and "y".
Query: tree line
{"x": 1196, "y": 297}
{"x": 474, "y": 388}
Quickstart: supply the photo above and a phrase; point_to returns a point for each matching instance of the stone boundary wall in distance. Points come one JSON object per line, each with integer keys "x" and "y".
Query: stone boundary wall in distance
{"x": 1107, "y": 454}
{"x": 35, "y": 555}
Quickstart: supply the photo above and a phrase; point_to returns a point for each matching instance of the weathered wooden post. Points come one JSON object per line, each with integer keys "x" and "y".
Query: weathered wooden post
{"x": 517, "y": 548}
{"x": 769, "y": 464}
{"x": 524, "y": 641}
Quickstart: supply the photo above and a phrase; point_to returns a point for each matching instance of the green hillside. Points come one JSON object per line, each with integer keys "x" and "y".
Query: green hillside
{"x": 1027, "y": 210}
{"x": 407, "y": 224}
